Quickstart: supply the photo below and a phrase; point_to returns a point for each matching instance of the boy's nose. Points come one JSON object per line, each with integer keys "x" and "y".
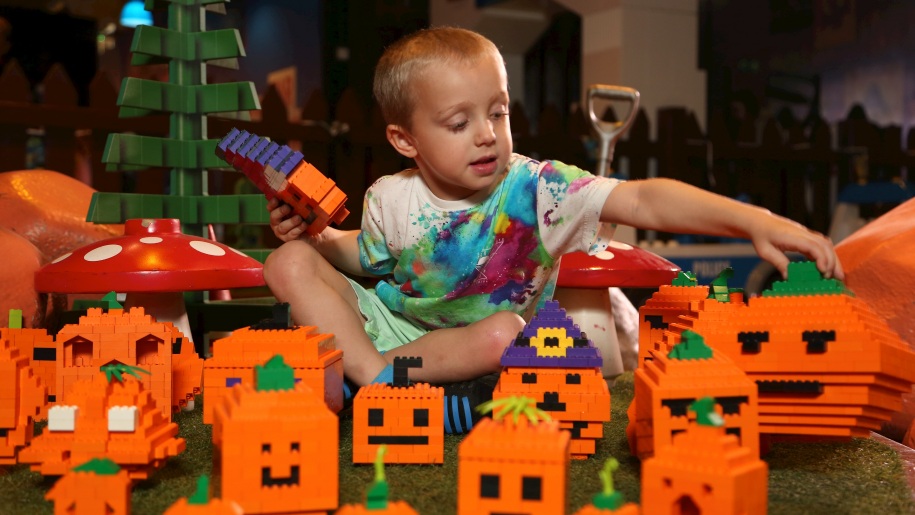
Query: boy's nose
{"x": 486, "y": 135}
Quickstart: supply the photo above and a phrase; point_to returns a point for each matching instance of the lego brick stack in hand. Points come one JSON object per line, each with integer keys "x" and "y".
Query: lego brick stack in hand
{"x": 281, "y": 172}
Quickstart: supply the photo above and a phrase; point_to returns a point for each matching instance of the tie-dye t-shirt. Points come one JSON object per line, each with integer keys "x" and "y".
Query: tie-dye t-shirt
{"x": 451, "y": 263}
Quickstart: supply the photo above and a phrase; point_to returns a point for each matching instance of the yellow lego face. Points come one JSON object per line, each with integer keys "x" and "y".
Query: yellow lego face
{"x": 551, "y": 341}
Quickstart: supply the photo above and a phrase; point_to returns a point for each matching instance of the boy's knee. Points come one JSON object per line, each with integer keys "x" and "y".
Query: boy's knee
{"x": 501, "y": 328}
{"x": 285, "y": 263}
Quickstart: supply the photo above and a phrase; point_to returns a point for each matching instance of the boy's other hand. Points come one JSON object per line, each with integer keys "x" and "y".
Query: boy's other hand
{"x": 286, "y": 224}
{"x": 774, "y": 236}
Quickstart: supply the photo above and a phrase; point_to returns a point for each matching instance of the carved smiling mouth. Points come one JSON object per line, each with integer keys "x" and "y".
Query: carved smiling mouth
{"x": 790, "y": 387}
{"x": 267, "y": 478}
{"x": 399, "y": 440}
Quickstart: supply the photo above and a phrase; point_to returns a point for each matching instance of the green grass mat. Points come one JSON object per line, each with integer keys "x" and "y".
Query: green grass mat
{"x": 856, "y": 477}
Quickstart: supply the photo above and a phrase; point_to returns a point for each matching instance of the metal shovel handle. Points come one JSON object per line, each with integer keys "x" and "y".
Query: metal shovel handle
{"x": 610, "y": 132}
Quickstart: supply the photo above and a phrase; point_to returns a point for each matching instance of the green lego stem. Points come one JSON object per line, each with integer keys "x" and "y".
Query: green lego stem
{"x": 15, "y": 320}
{"x": 516, "y": 406}
{"x": 111, "y": 298}
{"x": 609, "y": 498}
{"x": 117, "y": 371}
{"x": 377, "y": 497}
{"x": 275, "y": 374}
{"x": 718, "y": 290}
{"x": 684, "y": 278}
{"x": 691, "y": 346}
{"x": 805, "y": 279}
{"x": 99, "y": 466}
{"x": 706, "y": 415}
{"x": 201, "y": 496}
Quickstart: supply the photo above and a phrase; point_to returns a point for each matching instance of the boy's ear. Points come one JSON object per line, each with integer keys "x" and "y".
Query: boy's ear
{"x": 401, "y": 140}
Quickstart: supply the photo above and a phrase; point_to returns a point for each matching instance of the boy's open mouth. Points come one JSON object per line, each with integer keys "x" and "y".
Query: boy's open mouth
{"x": 484, "y": 160}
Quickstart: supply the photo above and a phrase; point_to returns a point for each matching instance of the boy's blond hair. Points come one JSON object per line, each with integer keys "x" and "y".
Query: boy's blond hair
{"x": 406, "y": 60}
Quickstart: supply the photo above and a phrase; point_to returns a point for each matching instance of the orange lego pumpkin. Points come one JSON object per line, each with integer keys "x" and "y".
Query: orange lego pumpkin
{"x": 314, "y": 358}
{"x": 39, "y": 347}
{"x": 24, "y": 396}
{"x": 109, "y": 416}
{"x": 201, "y": 504}
{"x": 705, "y": 470}
{"x": 130, "y": 337}
{"x": 97, "y": 486}
{"x": 825, "y": 364}
{"x": 609, "y": 501}
{"x": 554, "y": 362}
{"x": 407, "y": 418}
{"x": 516, "y": 464}
{"x": 668, "y": 383}
{"x": 277, "y": 444}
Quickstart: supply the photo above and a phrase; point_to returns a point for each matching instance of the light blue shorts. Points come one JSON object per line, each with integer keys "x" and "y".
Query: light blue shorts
{"x": 387, "y": 329}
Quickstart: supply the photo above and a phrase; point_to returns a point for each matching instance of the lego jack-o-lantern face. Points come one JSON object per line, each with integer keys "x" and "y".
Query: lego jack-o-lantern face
{"x": 515, "y": 464}
{"x": 668, "y": 383}
{"x": 553, "y": 362}
{"x": 407, "y": 418}
{"x": 110, "y": 416}
{"x": 134, "y": 338}
{"x": 823, "y": 361}
{"x": 277, "y": 444}
{"x": 727, "y": 477}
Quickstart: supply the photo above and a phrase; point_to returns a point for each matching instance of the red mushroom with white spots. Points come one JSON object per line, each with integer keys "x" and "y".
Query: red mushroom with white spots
{"x": 587, "y": 287}
{"x": 153, "y": 264}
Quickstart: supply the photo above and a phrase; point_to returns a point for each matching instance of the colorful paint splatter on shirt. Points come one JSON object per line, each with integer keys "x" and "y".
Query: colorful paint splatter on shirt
{"x": 448, "y": 264}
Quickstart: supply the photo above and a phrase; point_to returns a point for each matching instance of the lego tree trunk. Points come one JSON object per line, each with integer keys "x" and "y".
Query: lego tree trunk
{"x": 187, "y": 152}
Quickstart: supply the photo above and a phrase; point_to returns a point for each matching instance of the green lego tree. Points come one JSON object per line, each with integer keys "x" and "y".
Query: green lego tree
{"x": 187, "y": 47}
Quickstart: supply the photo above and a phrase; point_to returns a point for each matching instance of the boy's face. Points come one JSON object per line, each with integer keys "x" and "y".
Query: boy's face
{"x": 460, "y": 138}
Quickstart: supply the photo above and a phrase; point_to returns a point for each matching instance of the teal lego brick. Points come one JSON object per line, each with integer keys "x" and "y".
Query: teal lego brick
{"x": 150, "y": 151}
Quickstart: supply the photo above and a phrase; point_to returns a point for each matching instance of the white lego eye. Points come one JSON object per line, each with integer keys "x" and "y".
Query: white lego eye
{"x": 62, "y": 418}
{"x": 122, "y": 419}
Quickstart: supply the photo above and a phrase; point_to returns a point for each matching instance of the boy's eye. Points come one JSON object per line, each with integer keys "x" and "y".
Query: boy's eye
{"x": 457, "y": 127}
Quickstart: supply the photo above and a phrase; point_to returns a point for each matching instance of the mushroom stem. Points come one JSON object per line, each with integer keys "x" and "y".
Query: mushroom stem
{"x": 164, "y": 306}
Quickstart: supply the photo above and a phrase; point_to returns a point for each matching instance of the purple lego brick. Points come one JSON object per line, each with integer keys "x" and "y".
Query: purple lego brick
{"x": 576, "y": 357}
{"x": 232, "y": 149}
{"x": 291, "y": 162}
{"x": 266, "y": 154}
{"x": 252, "y": 166}
{"x": 279, "y": 157}
{"x": 225, "y": 142}
{"x": 551, "y": 316}
{"x": 246, "y": 147}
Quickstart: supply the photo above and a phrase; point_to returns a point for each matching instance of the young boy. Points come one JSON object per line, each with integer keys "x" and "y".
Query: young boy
{"x": 467, "y": 243}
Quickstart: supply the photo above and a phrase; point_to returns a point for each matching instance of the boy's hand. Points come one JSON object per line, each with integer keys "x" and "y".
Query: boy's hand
{"x": 286, "y": 224}
{"x": 775, "y": 235}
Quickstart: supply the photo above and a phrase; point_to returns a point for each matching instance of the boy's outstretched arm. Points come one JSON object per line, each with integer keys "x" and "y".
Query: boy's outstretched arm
{"x": 674, "y": 206}
{"x": 339, "y": 248}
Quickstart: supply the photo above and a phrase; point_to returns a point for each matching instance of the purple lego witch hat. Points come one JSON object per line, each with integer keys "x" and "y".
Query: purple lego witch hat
{"x": 552, "y": 339}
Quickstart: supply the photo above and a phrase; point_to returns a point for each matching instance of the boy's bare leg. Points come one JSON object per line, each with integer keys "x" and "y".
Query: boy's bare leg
{"x": 319, "y": 295}
{"x": 462, "y": 353}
